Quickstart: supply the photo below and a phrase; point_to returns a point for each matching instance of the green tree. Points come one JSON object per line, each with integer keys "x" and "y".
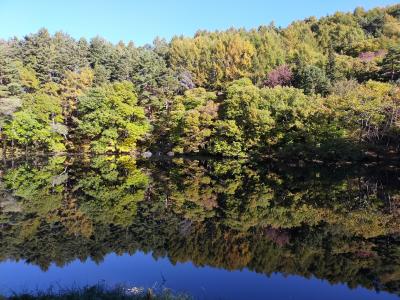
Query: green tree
{"x": 391, "y": 64}
{"x": 227, "y": 139}
{"x": 38, "y": 124}
{"x": 9, "y": 75}
{"x": 156, "y": 83}
{"x": 111, "y": 119}
{"x": 29, "y": 81}
{"x": 68, "y": 56}
{"x": 368, "y": 114}
{"x": 245, "y": 106}
{"x": 312, "y": 80}
{"x": 192, "y": 120}
{"x": 38, "y": 54}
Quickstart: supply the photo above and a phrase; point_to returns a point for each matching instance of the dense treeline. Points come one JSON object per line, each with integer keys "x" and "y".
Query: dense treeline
{"x": 327, "y": 87}
{"x": 339, "y": 224}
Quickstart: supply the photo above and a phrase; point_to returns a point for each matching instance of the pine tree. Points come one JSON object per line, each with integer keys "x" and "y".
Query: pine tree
{"x": 331, "y": 65}
{"x": 391, "y": 64}
{"x": 38, "y": 53}
{"x": 9, "y": 77}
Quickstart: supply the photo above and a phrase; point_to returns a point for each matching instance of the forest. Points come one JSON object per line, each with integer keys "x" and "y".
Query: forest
{"x": 326, "y": 88}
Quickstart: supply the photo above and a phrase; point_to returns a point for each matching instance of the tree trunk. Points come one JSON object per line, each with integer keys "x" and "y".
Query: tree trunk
{"x": 4, "y": 143}
{"x": 4, "y": 147}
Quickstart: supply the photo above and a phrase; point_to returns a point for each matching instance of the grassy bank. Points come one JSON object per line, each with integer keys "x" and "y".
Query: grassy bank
{"x": 99, "y": 292}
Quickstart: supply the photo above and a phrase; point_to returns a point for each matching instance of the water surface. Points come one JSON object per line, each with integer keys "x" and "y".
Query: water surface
{"x": 213, "y": 229}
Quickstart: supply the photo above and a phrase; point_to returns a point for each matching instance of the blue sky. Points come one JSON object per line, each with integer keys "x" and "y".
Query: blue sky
{"x": 142, "y": 20}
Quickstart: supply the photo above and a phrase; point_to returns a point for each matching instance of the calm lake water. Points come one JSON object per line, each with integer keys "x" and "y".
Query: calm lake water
{"x": 213, "y": 229}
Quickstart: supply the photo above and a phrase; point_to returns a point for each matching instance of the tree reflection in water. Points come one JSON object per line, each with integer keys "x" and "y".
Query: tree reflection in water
{"x": 336, "y": 223}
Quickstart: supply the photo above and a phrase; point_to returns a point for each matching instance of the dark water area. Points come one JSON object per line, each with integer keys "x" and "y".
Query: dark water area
{"x": 227, "y": 229}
